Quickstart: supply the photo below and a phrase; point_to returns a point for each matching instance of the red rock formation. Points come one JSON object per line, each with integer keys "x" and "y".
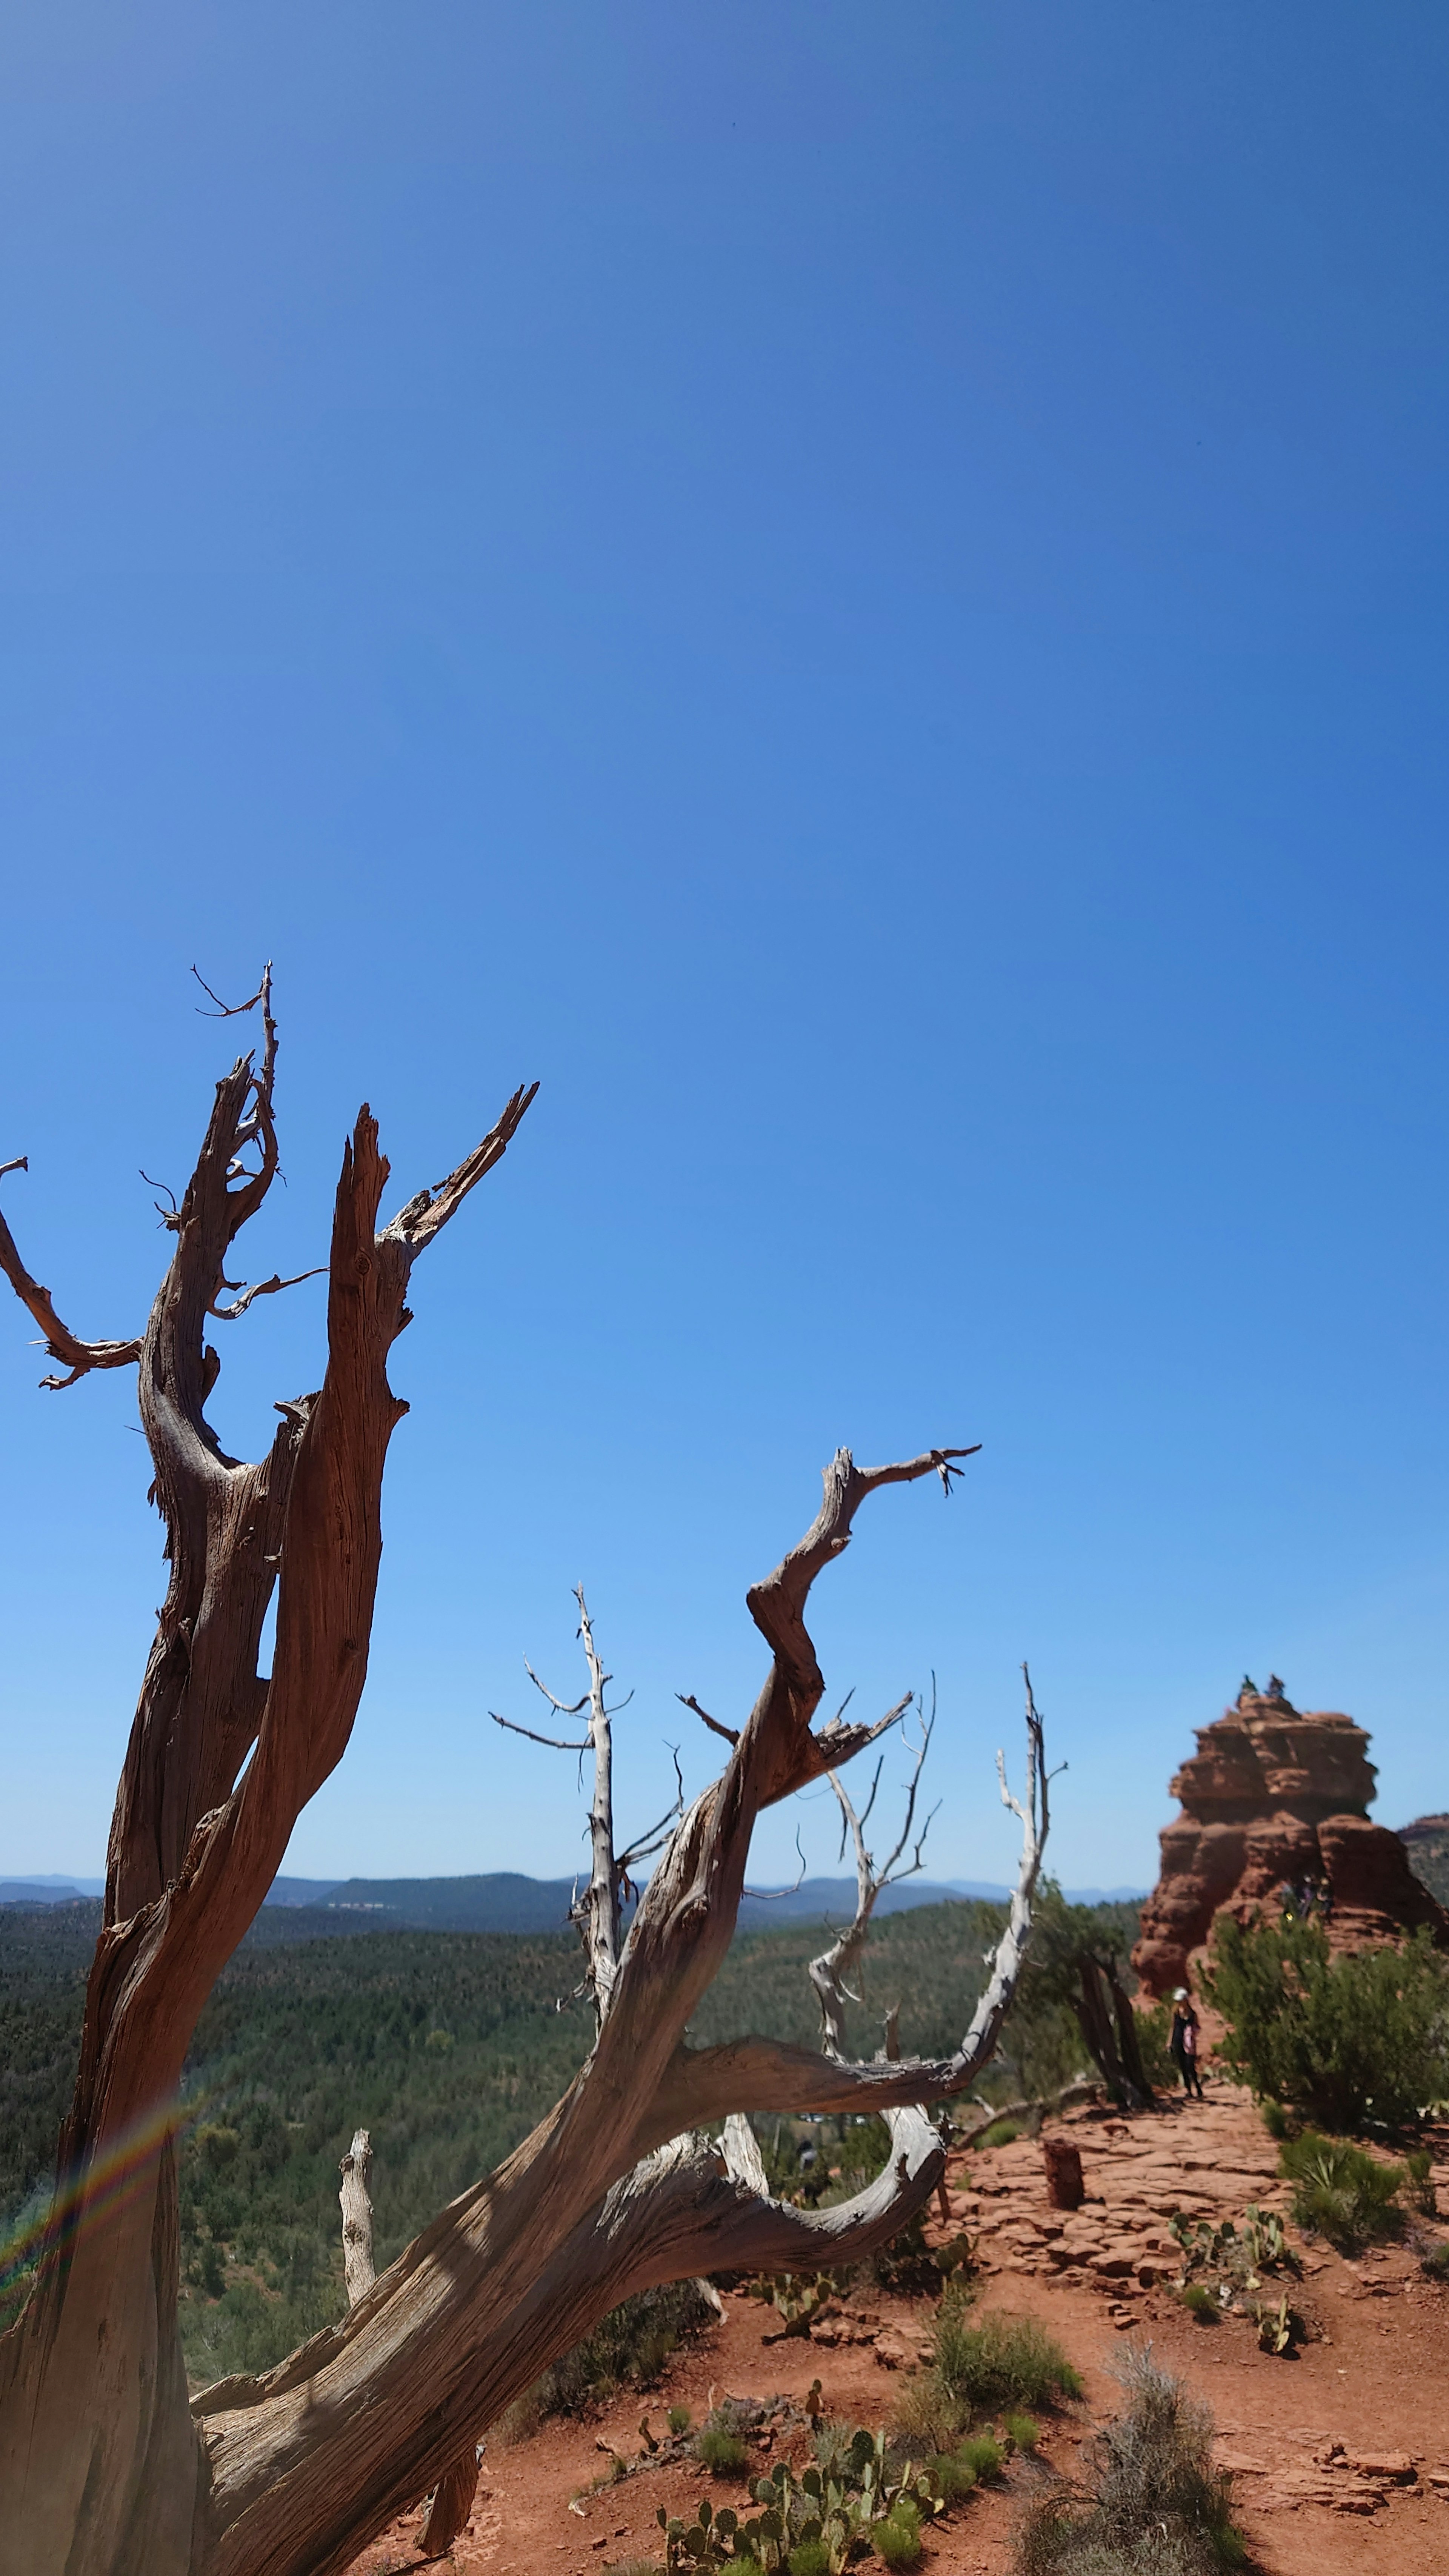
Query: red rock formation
{"x": 1276, "y": 1795}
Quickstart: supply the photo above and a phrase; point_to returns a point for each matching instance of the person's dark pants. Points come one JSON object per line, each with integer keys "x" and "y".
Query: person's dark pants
{"x": 1187, "y": 2069}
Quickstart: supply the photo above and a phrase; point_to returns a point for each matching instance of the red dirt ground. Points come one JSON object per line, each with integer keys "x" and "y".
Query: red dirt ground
{"x": 1343, "y": 2450}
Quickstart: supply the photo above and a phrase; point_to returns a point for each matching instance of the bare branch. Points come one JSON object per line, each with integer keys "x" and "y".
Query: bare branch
{"x": 731, "y": 1734}
{"x": 428, "y": 1213}
{"x": 835, "y": 1744}
{"x": 829, "y": 1972}
{"x": 656, "y": 1834}
{"x": 769, "y": 2075}
{"x": 554, "y": 1742}
{"x": 60, "y": 1342}
{"x": 232, "y": 1010}
{"x": 264, "y": 1288}
{"x": 1066, "y": 2099}
{"x": 566, "y": 1708}
{"x": 597, "y": 1913}
{"x": 601, "y": 1904}
{"x": 771, "y": 1895}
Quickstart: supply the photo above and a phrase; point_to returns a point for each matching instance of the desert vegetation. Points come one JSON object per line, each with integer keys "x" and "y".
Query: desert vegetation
{"x": 1157, "y": 2507}
{"x": 1341, "y": 2040}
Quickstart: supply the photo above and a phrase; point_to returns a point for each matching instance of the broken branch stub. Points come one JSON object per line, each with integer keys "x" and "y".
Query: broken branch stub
{"x": 357, "y": 2217}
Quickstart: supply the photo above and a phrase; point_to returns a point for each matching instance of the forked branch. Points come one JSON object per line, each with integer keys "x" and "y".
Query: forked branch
{"x": 598, "y": 1912}
{"x": 828, "y": 1973}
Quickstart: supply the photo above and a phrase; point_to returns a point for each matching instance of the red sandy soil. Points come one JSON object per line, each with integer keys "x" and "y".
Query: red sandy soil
{"x": 1342, "y": 2451}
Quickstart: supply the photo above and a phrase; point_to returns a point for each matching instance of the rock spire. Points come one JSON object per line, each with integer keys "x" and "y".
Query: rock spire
{"x": 1277, "y": 1798}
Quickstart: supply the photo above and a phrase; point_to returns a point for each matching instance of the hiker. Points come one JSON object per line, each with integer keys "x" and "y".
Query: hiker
{"x": 1185, "y": 2042}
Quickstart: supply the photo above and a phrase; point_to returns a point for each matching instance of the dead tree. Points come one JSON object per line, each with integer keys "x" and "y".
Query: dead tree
{"x": 458, "y": 2485}
{"x": 105, "y": 2468}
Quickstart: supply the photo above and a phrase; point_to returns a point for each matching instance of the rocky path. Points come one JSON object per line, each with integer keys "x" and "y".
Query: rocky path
{"x": 1343, "y": 2448}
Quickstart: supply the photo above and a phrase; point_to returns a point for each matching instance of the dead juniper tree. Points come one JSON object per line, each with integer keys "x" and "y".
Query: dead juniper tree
{"x": 106, "y": 2469}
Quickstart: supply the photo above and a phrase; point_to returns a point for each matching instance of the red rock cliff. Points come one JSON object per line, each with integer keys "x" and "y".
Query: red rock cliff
{"x": 1275, "y": 1794}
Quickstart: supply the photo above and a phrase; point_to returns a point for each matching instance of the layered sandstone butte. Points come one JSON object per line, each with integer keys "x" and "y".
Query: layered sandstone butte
{"x": 1277, "y": 1795}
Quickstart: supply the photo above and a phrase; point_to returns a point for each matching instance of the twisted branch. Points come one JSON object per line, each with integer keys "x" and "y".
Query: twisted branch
{"x": 60, "y": 1342}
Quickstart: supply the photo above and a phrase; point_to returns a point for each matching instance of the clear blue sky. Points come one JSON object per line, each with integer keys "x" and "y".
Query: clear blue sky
{"x": 861, "y": 591}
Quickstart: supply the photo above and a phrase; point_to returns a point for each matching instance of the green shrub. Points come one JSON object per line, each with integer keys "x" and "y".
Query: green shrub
{"x": 1419, "y": 2168}
{"x": 982, "y": 2456}
{"x": 1000, "y": 2134}
{"x": 898, "y": 2538}
{"x": 1024, "y": 2430}
{"x": 1276, "y": 2120}
{"x": 950, "y": 2476}
{"x": 1154, "y": 2021}
{"x": 1159, "y": 2508}
{"x": 809, "y": 2558}
{"x": 680, "y": 2419}
{"x": 1004, "y": 2361}
{"x": 1335, "y": 2038}
{"x": 1436, "y": 2264}
{"x": 723, "y": 2454}
{"x": 1343, "y": 2193}
{"x": 1200, "y": 2304}
{"x": 627, "y": 2349}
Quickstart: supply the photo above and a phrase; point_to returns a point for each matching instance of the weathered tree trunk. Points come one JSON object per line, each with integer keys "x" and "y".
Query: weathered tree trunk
{"x": 1109, "y": 2027}
{"x": 104, "y": 2468}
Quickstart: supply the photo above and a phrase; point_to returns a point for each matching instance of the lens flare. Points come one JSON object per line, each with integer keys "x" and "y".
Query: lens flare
{"x": 86, "y": 2199}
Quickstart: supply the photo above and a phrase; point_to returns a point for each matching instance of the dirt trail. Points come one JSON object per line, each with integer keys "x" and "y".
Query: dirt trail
{"x": 1343, "y": 2450}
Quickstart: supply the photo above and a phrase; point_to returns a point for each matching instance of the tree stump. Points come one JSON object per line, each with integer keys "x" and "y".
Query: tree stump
{"x": 1063, "y": 2161}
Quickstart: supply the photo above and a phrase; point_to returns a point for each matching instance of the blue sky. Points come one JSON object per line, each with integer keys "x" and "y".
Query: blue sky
{"x": 861, "y": 592}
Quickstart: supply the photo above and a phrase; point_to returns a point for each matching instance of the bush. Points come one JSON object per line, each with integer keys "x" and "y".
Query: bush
{"x": 1337, "y": 2039}
{"x": 1005, "y": 2361}
{"x": 1024, "y": 2430}
{"x": 723, "y": 2454}
{"x": 1436, "y": 2264}
{"x": 1419, "y": 2168}
{"x": 1343, "y": 2193}
{"x": 1154, "y": 2021}
{"x": 1159, "y": 2508}
{"x": 1276, "y": 2120}
{"x": 680, "y": 2419}
{"x": 950, "y": 2476}
{"x": 1000, "y": 2134}
{"x": 1200, "y": 2304}
{"x": 979, "y": 2370}
{"x": 898, "y": 2538}
{"x": 627, "y": 2349}
{"x": 809, "y": 2558}
{"x": 982, "y": 2456}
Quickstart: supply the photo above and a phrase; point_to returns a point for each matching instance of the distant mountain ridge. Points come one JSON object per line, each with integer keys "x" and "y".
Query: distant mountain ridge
{"x": 506, "y": 1901}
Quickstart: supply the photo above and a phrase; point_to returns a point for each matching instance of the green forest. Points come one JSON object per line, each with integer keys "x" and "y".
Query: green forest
{"x": 448, "y": 2046}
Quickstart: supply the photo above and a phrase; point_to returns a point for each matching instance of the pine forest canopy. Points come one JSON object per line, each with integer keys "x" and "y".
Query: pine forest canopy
{"x": 107, "y": 2466}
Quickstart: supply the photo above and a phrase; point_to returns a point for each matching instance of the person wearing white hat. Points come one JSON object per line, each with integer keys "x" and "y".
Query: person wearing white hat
{"x": 1183, "y": 2042}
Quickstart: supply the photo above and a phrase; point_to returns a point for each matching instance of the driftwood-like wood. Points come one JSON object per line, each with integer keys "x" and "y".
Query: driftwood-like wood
{"x": 105, "y": 2468}
{"x": 357, "y": 2218}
